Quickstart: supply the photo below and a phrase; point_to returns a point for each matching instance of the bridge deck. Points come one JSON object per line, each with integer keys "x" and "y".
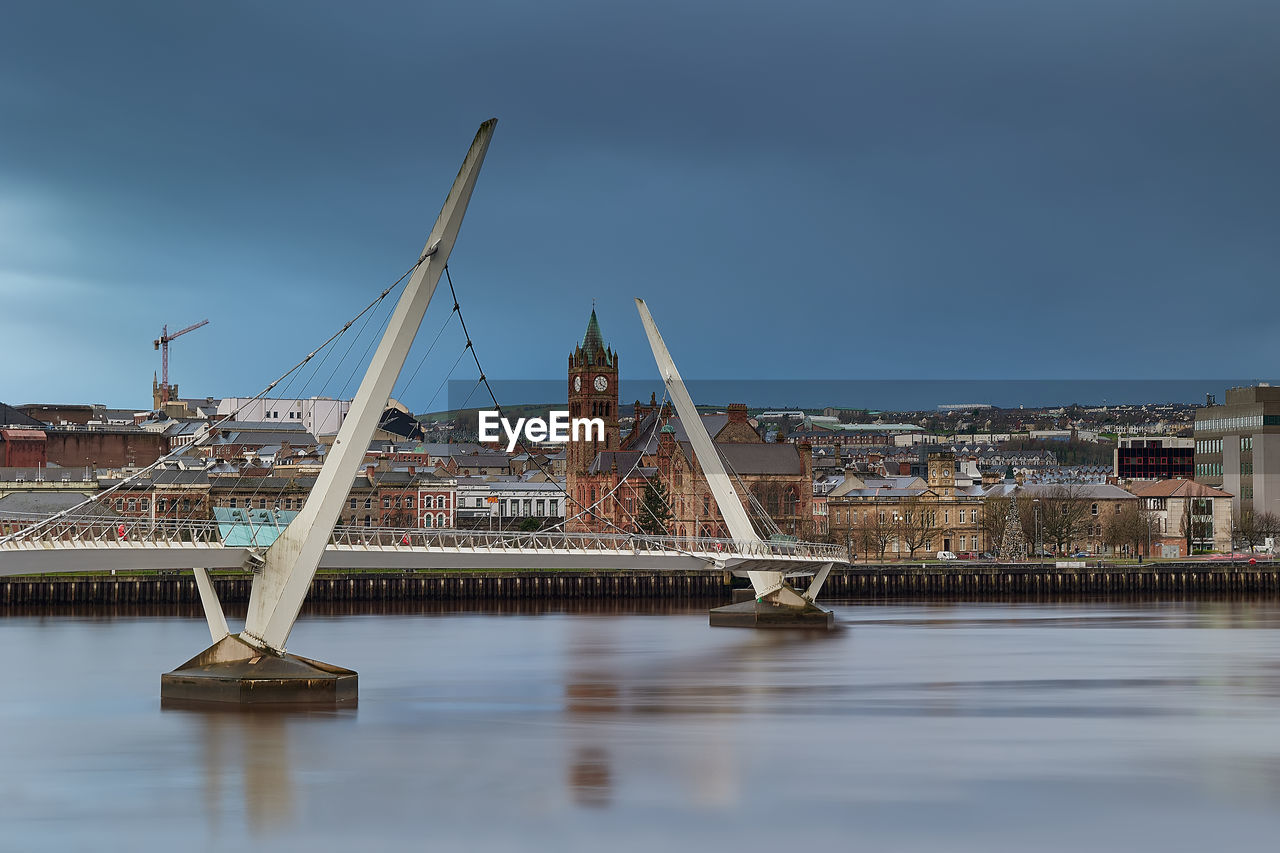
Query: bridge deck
{"x": 104, "y": 544}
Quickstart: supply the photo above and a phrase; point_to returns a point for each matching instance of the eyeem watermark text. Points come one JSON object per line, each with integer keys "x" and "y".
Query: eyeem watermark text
{"x": 559, "y": 429}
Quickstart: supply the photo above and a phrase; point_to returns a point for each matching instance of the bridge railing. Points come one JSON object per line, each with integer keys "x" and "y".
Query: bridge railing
{"x": 542, "y": 540}
{"x": 143, "y": 531}
{"x": 95, "y": 528}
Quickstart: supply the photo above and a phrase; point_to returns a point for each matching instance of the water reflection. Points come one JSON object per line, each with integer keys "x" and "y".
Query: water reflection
{"x": 973, "y": 727}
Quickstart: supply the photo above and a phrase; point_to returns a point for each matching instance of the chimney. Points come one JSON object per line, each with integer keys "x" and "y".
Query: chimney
{"x": 737, "y": 413}
{"x": 368, "y": 472}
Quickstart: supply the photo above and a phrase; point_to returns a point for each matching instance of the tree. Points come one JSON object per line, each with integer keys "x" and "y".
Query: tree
{"x": 1244, "y": 528}
{"x": 995, "y": 513}
{"x": 1131, "y": 526}
{"x": 1064, "y": 514}
{"x": 654, "y": 517}
{"x": 917, "y": 523}
{"x": 1254, "y": 528}
{"x": 877, "y": 530}
{"x": 1197, "y": 522}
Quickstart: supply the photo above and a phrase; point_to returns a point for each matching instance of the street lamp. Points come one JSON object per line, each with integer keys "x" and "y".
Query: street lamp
{"x": 1035, "y": 509}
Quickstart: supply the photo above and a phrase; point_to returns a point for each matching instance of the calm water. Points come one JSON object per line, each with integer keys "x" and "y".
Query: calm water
{"x": 968, "y": 727}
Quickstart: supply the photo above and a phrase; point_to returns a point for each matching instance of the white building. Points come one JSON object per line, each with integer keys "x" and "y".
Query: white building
{"x": 319, "y": 415}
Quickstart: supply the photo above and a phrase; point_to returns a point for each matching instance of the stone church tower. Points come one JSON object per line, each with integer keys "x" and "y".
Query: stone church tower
{"x": 593, "y": 393}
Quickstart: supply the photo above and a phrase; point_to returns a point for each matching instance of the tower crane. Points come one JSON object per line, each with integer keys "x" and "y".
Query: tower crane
{"x": 162, "y": 343}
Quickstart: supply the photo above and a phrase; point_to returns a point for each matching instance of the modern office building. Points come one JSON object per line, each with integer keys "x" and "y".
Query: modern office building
{"x": 1155, "y": 457}
{"x": 1237, "y": 447}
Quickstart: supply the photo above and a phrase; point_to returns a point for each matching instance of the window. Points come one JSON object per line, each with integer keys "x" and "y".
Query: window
{"x": 353, "y": 503}
{"x": 386, "y": 503}
{"x": 232, "y": 503}
{"x": 1094, "y": 509}
{"x": 542, "y": 507}
{"x": 368, "y": 503}
{"x": 408, "y": 503}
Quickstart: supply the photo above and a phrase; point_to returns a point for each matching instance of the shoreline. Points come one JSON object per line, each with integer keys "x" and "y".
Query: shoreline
{"x": 942, "y": 582}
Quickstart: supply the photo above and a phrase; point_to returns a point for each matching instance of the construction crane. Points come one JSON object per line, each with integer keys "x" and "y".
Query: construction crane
{"x": 162, "y": 343}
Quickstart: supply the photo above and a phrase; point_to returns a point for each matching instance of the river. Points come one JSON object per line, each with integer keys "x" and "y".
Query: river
{"x": 983, "y": 727}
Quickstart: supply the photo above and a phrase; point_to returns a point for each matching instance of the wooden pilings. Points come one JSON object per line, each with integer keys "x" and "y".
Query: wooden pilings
{"x": 180, "y": 588}
{"x": 859, "y": 582}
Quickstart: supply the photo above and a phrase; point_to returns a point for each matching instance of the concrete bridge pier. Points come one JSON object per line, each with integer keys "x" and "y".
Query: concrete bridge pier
{"x": 233, "y": 671}
{"x": 773, "y": 603}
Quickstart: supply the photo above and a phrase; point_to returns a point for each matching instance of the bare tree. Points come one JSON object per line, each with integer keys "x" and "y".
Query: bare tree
{"x": 917, "y": 523}
{"x": 1244, "y": 528}
{"x": 1064, "y": 514}
{"x": 1131, "y": 526}
{"x": 995, "y": 513}
{"x": 1197, "y": 522}
{"x": 876, "y": 530}
{"x": 1268, "y": 524}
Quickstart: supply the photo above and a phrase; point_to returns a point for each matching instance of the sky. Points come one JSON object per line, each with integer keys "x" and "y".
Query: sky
{"x": 863, "y": 189}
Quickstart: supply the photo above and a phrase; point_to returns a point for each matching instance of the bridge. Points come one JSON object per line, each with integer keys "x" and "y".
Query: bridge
{"x": 252, "y": 666}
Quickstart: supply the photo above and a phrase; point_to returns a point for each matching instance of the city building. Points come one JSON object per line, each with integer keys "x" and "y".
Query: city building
{"x": 608, "y": 477}
{"x": 317, "y": 415}
{"x": 907, "y": 515}
{"x": 1186, "y": 512}
{"x": 1158, "y": 457}
{"x": 1237, "y": 447}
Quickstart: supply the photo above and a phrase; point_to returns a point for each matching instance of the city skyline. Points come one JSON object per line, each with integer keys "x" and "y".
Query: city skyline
{"x": 986, "y": 191}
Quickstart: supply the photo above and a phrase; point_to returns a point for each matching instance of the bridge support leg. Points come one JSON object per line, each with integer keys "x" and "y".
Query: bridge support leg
{"x": 212, "y": 607}
{"x": 776, "y": 604}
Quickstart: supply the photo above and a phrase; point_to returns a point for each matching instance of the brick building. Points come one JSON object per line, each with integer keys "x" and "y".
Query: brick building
{"x": 609, "y": 475}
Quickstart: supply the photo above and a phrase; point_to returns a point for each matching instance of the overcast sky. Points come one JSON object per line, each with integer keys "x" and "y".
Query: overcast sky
{"x": 853, "y": 189}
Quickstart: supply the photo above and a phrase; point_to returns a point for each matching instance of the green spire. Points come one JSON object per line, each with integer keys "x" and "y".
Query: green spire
{"x": 593, "y": 339}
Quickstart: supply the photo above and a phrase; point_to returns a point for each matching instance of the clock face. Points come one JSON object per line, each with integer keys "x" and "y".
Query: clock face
{"x": 577, "y": 383}
{"x": 601, "y": 383}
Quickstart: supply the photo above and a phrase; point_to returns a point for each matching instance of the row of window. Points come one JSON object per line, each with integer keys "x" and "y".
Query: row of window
{"x": 528, "y": 507}
{"x": 1245, "y": 422}
{"x": 847, "y": 515}
{"x": 1214, "y": 445}
{"x": 1209, "y": 469}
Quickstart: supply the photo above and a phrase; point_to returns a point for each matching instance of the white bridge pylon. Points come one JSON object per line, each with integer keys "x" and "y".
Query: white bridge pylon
{"x": 768, "y": 585}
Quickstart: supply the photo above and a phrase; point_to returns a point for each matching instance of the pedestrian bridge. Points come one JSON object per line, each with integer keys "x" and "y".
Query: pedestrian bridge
{"x": 103, "y": 543}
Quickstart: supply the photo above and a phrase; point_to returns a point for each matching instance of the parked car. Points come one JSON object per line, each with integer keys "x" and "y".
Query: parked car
{"x": 1043, "y": 552}
{"x": 946, "y": 555}
{"x": 1079, "y": 555}
{"x": 986, "y": 555}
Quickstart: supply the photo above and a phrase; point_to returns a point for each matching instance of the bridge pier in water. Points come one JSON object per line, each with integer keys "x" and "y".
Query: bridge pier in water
{"x": 779, "y": 606}
{"x": 252, "y": 667}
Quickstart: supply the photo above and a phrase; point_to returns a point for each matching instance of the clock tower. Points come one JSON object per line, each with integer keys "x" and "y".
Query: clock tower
{"x": 593, "y": 393}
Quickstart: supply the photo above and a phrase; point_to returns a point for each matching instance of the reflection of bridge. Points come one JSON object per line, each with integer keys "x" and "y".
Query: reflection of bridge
{"x": 252, "y": 666}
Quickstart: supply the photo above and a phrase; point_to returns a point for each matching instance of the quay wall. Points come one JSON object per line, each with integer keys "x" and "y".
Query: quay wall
{"x": 860, "y": 582}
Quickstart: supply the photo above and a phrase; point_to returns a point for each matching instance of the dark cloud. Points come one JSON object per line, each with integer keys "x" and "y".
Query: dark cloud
{"x": 852, "y": 189}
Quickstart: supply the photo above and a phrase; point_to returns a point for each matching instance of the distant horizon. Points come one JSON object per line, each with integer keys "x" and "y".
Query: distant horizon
{"x": 906, "y": 395}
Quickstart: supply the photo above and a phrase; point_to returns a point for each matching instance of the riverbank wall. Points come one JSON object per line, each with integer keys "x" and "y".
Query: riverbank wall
{"x": 855, "y": 582}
